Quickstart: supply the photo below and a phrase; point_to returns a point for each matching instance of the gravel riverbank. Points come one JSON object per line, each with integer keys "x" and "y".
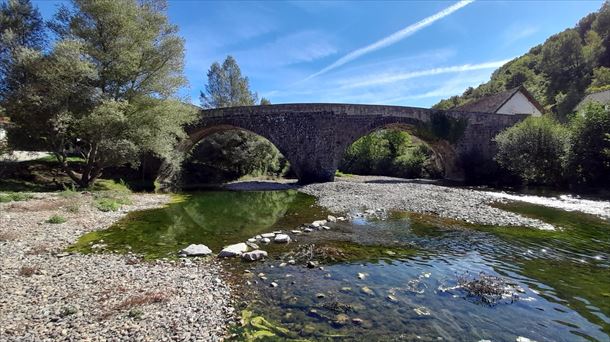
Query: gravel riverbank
{"x": 47, "y": 295}
{"x": 358, "y": 193}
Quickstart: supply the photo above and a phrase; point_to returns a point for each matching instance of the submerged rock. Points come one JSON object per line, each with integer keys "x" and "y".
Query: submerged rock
{"x": 233, "y": 250}
{"x": 282, "y": 238}
{"x": 254, "y": 255}
{"x": 196, "y": 250}
{"x": 367, "y": 291}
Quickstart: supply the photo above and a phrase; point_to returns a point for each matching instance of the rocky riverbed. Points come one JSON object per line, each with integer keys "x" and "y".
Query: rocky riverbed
{"x": 48, "y": 294}
{"x": 358, "y": 193}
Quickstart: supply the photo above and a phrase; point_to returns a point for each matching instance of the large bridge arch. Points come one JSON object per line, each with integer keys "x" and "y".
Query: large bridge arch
{"x": 314, "y": 137}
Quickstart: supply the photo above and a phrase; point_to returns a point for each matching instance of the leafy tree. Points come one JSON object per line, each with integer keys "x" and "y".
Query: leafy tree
{"x": 534, "y": 149}
{"x": 589, "y": 157}
{"x": 265, "y": 101}
{"x": 21, "y": 27}
{"x": 226, "y": 86}
{"x": 106, "y": 90}
{"x": 233, "y": 153}
{"x": 601, "y": 80}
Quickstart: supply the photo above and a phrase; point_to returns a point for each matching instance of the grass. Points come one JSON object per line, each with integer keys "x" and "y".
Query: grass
{"x": 6, "y": 197}
{"x": 56, "y": 219}
{"x": 111, "y": 195}
{"x": 341, "y": 174}
{"x": 143, "y": 299}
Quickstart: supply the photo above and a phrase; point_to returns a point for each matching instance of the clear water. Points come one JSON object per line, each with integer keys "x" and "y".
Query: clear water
{"x": 564, "y": 276}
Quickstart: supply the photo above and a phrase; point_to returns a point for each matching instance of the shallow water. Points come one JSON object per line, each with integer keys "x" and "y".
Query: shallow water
{"x": 409, "y": 264}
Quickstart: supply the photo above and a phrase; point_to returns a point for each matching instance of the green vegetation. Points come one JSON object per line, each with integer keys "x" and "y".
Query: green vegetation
{"x": 232, "y": 154}
{"x": 558, "y": 72}
{"x": 56, "y": 219}
{"x": 109, "y": 98}
{"x": 390, "y": 153}
{"x": 14, "y": 197}
{"x": 541, "y": 151}
{"x": 110, "y": 195}
{"x": 534, "y": 149}
{"x": 588, "y": 159}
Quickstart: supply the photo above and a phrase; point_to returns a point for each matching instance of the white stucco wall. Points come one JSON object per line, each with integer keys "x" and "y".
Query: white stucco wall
{"x": 519, "y": 104}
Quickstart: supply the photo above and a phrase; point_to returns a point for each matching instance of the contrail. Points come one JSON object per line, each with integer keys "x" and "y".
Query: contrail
{"x": 393, "y": 38}
{"x": 390, "y": 78}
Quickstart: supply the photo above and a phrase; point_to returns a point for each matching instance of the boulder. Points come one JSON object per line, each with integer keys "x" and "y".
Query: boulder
{"x": 254, "y": 255}
{"x": 233, "y": 250}
{"x": 196, "y": 250}
{"x": 282, "y": 238}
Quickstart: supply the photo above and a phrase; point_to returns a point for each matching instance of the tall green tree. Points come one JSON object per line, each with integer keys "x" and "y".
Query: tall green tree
{"x": 107, "y": 88}
{"x": 227, "y": 87}
{"x": 589, "y": 153}
{"x": 21, "y": 27}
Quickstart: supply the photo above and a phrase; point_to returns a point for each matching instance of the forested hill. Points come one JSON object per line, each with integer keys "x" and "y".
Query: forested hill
{"x": 559, "y": 72}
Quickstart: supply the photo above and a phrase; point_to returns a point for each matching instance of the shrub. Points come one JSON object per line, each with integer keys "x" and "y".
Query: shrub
{"x": 534, "y": 149}
{"x": 589, "y": 153}
{"x": 14, "y": 197}
{"x": 56, "y": 219}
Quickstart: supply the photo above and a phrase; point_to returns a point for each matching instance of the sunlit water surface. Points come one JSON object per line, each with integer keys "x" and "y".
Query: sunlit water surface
{"x": 409, "y": 266}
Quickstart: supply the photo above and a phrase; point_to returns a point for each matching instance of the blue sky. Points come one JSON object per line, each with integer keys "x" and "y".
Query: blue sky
{"x": 410, "y": 53}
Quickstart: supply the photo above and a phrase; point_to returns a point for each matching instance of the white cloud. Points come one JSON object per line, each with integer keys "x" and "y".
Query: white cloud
{"x": 516, "y": 32}
{"x": 386, "y": 78}
{"x": 304, "y": 46}
{"x": 393, "y": 38}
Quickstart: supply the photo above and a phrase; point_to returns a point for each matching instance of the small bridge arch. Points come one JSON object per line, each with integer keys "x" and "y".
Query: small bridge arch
{"x": 314, "y": 137}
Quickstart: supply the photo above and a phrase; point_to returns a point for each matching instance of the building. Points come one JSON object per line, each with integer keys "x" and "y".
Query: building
{"x": 602, "y": 97}
{"x": 514, "y": 101}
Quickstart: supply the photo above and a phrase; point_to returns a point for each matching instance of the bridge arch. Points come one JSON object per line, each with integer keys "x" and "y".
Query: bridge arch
{"x": 314, "y": 137}
{"x": 444, "y": 152}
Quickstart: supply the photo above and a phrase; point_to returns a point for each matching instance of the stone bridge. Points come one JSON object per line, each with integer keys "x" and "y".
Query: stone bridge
{"x": 314, "y": 137}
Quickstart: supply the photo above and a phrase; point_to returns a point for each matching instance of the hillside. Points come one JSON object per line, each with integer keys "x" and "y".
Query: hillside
{"x": 559, "y": 72}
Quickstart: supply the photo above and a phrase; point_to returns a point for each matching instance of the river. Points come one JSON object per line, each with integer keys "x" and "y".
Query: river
{"x": 392, "y": 275}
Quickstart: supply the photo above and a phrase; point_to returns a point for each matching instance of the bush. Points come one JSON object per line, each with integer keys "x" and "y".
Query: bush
{"x": 56, "y": 219}
{"x": 589, "y": 153}
{"x": 14, "y": 197}
{"x": 535, "y": 150}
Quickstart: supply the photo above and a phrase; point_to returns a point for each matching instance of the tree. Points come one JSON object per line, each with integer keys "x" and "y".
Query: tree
{"x": 534, "y": 149}
{"x": 106, "y": 90}
{"x": 21, "y": 27}
{"x": 589, "y": 157}
{"x": 265, "y": 101}
{"x": 226, "y": 86}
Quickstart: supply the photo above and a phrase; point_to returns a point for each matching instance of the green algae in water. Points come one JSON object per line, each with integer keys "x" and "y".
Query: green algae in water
{"x": 215, "y": 218}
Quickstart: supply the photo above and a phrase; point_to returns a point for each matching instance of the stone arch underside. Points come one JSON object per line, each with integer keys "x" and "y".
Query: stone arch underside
{"x": 314, "y": 137}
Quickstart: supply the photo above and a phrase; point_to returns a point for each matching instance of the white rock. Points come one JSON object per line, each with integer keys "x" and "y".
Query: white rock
{"x": 331, "y": 218}
{"x": 265, "y": 240}
{"x": 252, "y": 240}
{"x": 282, "y": 238}
{"x": 233, "y": 250}
{"x": 268, "y": 235}
{"x": 296, "y": 231}
{"x": 326, "y": 227}
{"x": 254, "y": 255}
{"x": 318, "y": 223}
{"x": 341, "y": 218}
{"x": 524, "y": 339}
{"x": 196, "y": 250}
